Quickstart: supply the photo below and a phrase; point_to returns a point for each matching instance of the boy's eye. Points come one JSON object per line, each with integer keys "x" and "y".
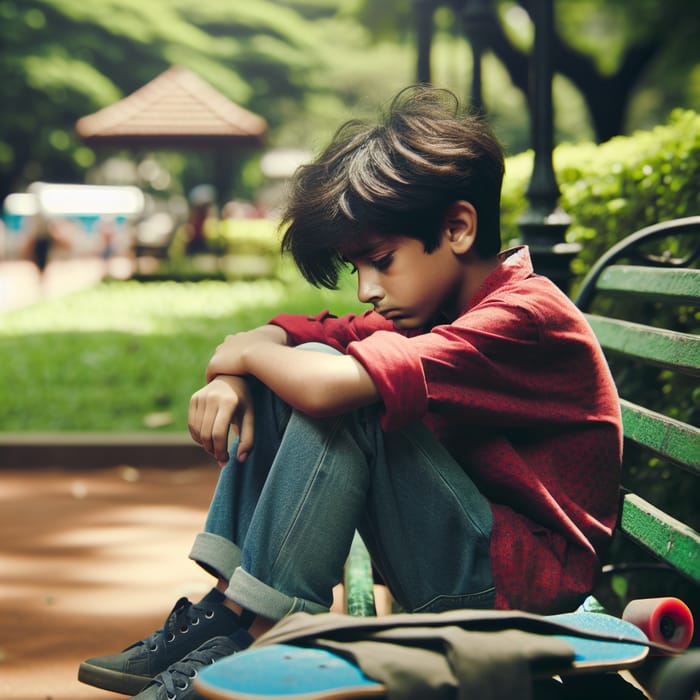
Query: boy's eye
{"x": 383, "y": 262}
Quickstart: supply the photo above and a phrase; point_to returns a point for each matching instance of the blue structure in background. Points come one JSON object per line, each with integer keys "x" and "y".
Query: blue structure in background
{"x": 89, "y": 217}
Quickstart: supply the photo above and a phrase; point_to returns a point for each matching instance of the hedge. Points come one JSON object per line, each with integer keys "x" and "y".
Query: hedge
{"x": 613, "y": 189}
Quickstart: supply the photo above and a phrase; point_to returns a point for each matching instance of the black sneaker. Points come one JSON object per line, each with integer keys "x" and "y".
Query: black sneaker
{"x": 188, "y": 626}
{"x": 176, "y": 682}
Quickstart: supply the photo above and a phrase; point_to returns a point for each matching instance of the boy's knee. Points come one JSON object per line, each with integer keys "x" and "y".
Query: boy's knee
{"x": 319, "y": 347}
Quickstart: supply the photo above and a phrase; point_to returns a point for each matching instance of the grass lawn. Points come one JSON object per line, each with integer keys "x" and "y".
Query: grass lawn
{"x": 127, "y": 356}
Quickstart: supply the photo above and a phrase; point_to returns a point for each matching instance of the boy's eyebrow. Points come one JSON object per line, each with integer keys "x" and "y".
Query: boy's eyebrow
{"x": 361, "y": 252}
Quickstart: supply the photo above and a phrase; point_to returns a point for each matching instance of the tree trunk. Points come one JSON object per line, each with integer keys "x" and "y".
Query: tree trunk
{"x": 607, "y": 97}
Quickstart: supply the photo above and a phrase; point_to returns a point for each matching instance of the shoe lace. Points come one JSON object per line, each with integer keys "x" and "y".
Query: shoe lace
{"x": 180, "y": 674}
{"x": 183, "y": 616}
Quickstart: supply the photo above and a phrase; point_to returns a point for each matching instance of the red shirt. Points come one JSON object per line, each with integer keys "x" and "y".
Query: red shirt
{"x": 519, "y": 392}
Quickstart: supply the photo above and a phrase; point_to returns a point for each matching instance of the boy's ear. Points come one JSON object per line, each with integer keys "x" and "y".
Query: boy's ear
{"x": 460, "y": 226}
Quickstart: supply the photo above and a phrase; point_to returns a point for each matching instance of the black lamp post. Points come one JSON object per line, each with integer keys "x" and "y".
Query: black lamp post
{"x": 423, "y": 13}
{"x": 544, "y": 223}
{"x": 476, "y": 19}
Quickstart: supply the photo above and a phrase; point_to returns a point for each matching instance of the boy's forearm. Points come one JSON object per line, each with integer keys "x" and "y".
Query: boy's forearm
{"x": 271, "y": 332}
{"x": 227, "y": 358}
{"x": 315, "y": 383}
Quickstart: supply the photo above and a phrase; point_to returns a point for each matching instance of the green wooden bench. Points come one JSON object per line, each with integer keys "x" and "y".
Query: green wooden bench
{"x": 645, "y": 278}
{"x": 642, "y": 299}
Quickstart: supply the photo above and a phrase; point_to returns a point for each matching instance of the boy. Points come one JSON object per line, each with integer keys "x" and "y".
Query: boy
{"x": 467, "y": 425}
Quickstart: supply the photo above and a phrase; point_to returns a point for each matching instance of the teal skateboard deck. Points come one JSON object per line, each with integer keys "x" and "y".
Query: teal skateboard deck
{"x": 286, "y": 672}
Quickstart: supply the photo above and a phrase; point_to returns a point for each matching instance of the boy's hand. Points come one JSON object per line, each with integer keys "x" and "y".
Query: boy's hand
{"x": 228, "y": 358}
{"x": 225, "y": 401}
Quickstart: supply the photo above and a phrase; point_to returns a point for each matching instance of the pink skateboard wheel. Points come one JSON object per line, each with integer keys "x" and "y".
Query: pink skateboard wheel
{"x": 664, "y": 620}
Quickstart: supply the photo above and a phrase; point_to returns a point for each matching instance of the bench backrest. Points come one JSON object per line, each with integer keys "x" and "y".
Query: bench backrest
{"x": 642, "y": 299}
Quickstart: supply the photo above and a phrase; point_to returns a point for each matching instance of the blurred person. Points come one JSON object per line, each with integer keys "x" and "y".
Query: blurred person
{"x": 42, "y": 231}
{"x": 202, "y": 201}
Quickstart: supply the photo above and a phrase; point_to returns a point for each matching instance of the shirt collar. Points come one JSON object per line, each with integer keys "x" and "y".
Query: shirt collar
{"x": 515, "y": 265}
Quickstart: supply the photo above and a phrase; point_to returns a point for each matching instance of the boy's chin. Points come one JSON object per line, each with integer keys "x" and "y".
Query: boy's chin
{"x": 406, "y": 324}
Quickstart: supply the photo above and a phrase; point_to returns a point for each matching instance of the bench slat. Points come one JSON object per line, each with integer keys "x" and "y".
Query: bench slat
{"x": 359, "y": 582}
{"x": 663, "y": 284}
{"x": 666, "y": 537}
{"x": 664, "y": 348}
{"x": 669, "y": 438}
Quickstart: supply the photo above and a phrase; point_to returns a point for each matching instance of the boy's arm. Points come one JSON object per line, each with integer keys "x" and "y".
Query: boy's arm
{"x": 315, "y": 383}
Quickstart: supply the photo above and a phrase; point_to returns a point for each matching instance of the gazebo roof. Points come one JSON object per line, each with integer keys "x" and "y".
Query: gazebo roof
{"x": 174, "y": 110}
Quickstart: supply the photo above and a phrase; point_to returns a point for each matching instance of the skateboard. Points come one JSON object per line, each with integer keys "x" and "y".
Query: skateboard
{"x": 286, "y": 672}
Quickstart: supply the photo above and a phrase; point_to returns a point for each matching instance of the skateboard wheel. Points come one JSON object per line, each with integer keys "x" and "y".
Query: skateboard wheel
{"x": 664, "y": 620}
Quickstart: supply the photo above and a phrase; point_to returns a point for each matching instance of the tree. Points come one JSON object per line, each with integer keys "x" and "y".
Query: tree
{"x": 63, "y": 59}
{"x": 305, "y": 65}
{"x": 301, "y": 64}
{"x": 614, "y": 52}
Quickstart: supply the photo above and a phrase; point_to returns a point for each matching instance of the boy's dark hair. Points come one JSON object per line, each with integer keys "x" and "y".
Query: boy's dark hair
{"x": 396, "y": 178}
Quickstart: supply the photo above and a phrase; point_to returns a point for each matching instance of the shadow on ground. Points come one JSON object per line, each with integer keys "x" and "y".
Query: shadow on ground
{"x": 91, "y": 561}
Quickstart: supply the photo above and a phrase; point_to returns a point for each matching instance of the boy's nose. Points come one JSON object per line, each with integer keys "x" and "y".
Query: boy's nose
{"x": 368, "y": 291}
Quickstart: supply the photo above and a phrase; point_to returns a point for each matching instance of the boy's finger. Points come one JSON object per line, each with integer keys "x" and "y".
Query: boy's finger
{"x": 219, "y": 436}
{"x": 193, "y": 422}
{"x": 246, "y": 435}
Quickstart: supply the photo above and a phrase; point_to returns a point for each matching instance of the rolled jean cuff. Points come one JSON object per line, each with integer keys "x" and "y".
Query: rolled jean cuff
{"x": 256, "y": 596}
{"x": 216, "y": 554}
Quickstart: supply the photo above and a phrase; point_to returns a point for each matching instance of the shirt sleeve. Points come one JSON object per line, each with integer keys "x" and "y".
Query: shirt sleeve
{"x": 453, "y": 368}
{"x": 479, "y": 369}
{"x": 338, "y": 332}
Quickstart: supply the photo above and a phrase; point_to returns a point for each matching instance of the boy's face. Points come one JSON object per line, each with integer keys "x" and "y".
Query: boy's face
{"x": 404, "y": 283}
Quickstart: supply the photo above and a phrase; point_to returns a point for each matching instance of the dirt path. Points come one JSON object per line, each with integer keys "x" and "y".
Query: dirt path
{"x": 90, "y": 561}
{"x": 21, "y": 284}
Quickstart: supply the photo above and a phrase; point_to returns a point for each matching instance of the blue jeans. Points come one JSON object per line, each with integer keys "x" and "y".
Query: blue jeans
{"x": 280, "y": 525}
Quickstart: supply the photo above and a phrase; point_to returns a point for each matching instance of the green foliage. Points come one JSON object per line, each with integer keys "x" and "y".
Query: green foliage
{"x": 247, "y": 237}
{"x": 301, "y": 64}
{"x": 630, "y": 69}
{"x": 633, "y": 182}
{"x": 614, "y": 189}
{"x": 305, "y": 65}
